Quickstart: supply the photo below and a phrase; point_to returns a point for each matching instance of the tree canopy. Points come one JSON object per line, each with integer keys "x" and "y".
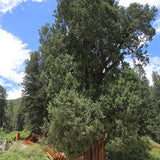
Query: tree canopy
{"x": 34, "y": 99}
{"x": 98, "y": 45}
{"x": 83, "y": 52}
{"x": 80, "y": 74}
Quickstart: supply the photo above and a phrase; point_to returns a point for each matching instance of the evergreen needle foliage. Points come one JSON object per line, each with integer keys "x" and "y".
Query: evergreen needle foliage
{"x": 78, "y": 86}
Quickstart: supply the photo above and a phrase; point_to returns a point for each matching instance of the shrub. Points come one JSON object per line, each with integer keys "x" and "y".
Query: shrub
{"x": 129, "y": 148}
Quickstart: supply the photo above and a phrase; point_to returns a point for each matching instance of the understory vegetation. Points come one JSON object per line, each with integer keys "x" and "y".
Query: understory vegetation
{"x": 133, "y": 148}
{"x": 130, "y": 148}
{"x": 19, "y": 151}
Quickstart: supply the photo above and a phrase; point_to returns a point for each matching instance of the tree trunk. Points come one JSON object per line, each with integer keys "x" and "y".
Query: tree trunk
{"x": 96, "y": 153}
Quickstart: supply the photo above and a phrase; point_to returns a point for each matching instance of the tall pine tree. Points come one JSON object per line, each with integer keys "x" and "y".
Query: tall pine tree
{"x": 34, "y": 97}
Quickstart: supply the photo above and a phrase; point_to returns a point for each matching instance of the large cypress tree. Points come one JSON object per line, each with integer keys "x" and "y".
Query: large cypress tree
{"x": 82, "y": 54}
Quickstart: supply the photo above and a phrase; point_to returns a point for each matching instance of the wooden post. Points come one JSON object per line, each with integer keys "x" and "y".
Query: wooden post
{"x": 17, "y": 136}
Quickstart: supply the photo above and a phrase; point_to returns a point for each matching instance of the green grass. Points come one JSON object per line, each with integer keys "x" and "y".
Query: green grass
{"x": 155, "y": 154}
{"x": 19, "y": 151}
{"x": 12, "y": 135}
{"x": 153, "y": 143}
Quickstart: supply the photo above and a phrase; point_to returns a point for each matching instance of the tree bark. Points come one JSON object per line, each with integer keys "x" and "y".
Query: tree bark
{"x": 96, "y": 153}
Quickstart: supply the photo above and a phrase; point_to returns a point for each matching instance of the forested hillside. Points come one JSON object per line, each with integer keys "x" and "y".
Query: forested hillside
{"x": 79, "y": 89}
{"x": 14, "y": 115}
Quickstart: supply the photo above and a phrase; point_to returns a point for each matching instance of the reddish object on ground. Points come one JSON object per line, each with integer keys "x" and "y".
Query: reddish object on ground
{"x": 32, "y": 138}
{"x": 55, "y": 156}
{"x": 17, "y": 136}
{"x": 96, "y": 153}
{"x": 156, "y": 147}
{"x": 28, "y": 142}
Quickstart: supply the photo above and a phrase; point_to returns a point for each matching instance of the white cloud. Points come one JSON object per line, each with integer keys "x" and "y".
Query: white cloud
{"x": 4, "y": 84}
{"x": 157, "y": 25}
{"x": 37, "y": 0}
{"x": 154, "y": 65}
{"x": 13, "y": 53}
{"x": 8, "y": 5}
{"x": 15, "y": 93}
{"x": 126, "y": 3}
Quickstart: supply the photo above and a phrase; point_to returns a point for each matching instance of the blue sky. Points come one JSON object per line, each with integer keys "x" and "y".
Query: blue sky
{"x": 20, "y": 21}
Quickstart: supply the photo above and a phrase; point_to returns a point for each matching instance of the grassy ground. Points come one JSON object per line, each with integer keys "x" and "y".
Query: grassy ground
{"x": 19, "y": 151}
{"x": 12, "y": 135}
{"x": 155, "y": 153}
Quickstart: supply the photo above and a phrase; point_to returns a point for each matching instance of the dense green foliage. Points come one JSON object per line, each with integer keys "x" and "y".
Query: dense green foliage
{"x": 3, "y": 105}
{"x": 83, "y": 69}
{"x": 88, "y": 92}
{"x": 123, "y": 104}
{"x": 156, "y": 103}
{"x": 14, "y": 115}
{"x": 77, "y": 121}
{"x": 33, "y": 95}
{"x": 130, "y": 148}
{"x": 139, "y": 150}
